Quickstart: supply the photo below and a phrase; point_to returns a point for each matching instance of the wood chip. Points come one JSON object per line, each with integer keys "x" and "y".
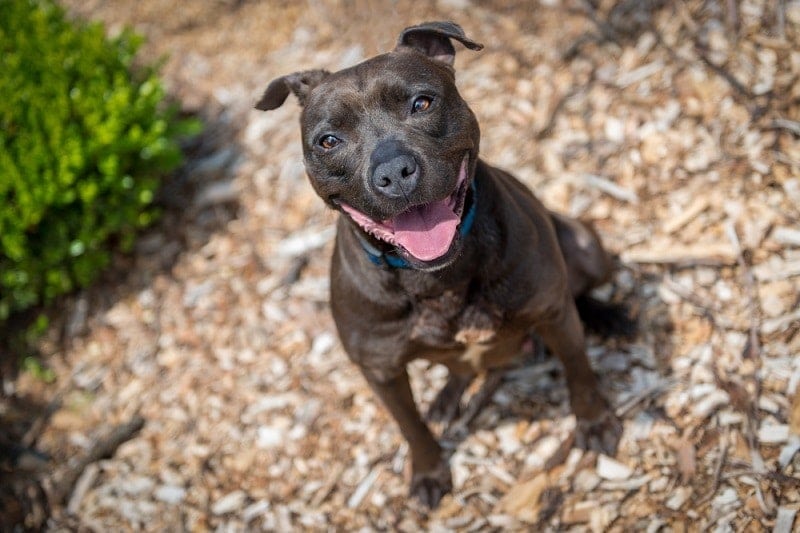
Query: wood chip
{"x": 698, "y": 205}
{"x": 710, "y": 403}
{"x": 786, "y": 236}
{"x": 607, "y": 186}
{"x": 579, "y": 513}
{"x": 687, "y": 460}
{"x": 695, "y": 254}
{"x": 794, "y": 412}
{"x": 784, "y": 521}
{"x": 304, "y": 241}
{"x": 626, "y": 484}
{"x": 232, "y": 501}
{"x": 324, "y": 491}
{"x": 83, "y": 484}
{"x": 503, "y": 521}
{"x": 679, "y": 496}
{"x": 363, "y": 488}
{"x": 254, "y": 510}
{"x": 608, "y": 468}
{"x": 777, "y": 270}
{"x": 170, "y": 494}
{"x": 789, "y": 451}
{"x": 603, "y": 516}
{"x": 773, "y": 434}
{"x": 522, "y": 500}
{"x": 639, "y": 74}
{"x": 774, "y": 325}
{"x": 586, "y": 480}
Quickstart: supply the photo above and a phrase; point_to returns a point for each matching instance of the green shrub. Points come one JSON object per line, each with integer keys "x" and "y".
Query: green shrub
{"x": 84, "y": 139}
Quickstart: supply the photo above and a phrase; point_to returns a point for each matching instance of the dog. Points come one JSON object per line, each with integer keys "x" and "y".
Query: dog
{"x": 439, "y": 255}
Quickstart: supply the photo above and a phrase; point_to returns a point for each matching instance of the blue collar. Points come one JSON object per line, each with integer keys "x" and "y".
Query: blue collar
{"x": 395, "y": 261}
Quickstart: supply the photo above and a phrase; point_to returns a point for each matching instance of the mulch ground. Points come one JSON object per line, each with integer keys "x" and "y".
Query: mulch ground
{"x": 201, "y": 386}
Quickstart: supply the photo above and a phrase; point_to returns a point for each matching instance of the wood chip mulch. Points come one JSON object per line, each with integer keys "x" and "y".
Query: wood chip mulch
{"x": 675, "y": 126}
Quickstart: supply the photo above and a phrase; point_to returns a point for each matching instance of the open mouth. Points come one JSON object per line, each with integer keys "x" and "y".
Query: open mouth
{"x": 425, "y": 232}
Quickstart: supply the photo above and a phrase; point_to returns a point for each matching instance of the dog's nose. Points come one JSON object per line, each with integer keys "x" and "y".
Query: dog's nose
{"x": 396, "y": 177}
{"x": 394, "y": 171}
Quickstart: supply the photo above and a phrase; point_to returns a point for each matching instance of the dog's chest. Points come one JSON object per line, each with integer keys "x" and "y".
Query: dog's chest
{"x": 450, "y": 319}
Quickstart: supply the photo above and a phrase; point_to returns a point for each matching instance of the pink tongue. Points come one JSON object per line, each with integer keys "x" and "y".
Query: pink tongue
{"x": 426, "y": 232}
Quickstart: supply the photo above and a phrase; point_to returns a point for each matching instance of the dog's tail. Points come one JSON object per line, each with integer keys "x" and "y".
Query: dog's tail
{"x": 605, "y": 319}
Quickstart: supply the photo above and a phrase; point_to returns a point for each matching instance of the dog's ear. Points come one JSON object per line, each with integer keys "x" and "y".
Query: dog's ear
{"x": 300, "y": 83}
{"x": 433, "y": 40}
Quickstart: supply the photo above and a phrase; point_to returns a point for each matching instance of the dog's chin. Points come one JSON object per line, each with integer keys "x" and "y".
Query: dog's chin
{"x": 427, "y": 236}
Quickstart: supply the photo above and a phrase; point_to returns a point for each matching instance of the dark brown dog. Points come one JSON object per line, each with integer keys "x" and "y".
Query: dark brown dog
{"x": 438, "y": 255}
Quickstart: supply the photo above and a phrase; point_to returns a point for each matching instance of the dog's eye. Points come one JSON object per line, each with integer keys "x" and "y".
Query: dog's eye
{"x": 421, "y": 103}
{"x": 328, "y": 142}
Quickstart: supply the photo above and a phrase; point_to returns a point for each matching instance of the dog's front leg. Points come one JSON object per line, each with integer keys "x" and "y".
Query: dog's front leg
{"x": 597, "y": 426}
{"x": 430, "y": 473}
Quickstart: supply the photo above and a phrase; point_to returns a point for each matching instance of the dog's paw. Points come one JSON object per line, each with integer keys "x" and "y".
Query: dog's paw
{"x": 431, "y": 486}
{"x": 600, "y": 434}
{"x": 446, "y": 406}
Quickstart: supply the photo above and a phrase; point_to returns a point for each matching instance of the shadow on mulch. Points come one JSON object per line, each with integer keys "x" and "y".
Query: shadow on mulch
{"x": 197, "y": 200}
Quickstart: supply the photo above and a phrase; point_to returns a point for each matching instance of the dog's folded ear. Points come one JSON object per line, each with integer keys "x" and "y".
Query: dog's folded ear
{"x": 300, "y": 83}
{"x": 433, "y": 40}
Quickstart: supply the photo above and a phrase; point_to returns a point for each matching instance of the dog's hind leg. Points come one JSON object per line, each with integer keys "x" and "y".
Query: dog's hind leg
{"x": 588, "y": 266}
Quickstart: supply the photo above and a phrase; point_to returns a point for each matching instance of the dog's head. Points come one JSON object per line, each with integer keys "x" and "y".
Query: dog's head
{"x": 391, "y": 143}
